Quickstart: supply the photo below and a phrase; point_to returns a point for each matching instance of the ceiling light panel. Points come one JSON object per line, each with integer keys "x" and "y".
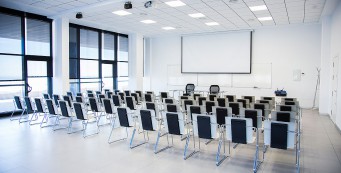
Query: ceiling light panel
{"x": 168, "y": 28}
{"x": 264, "y": 18}
{"x": 121, "y": 12}
{"x": 196, "y": 15}
{"x": 212, "y": 23}
{"x": 148, "y": 21}
{"x": 175, "y": 3}
{"x": 258, "y": 8}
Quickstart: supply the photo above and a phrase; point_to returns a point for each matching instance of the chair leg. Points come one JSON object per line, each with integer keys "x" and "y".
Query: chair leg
{"x": 69, "y": 128}
{"x": 36, "y": 118}
{"x": 24, "y": 116}
{"x": 132, "y": 138}
{"x": 157, "y": 143}
{"x": 85, "y": 124}
{"x": 55, "y": 124}
{"x": 12, "y": 119}
{"x": 186, "y": 148}
{"x": 220, "y": 158}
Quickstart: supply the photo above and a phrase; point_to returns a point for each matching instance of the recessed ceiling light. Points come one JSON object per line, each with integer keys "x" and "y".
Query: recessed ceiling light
{"x": 212, "y": 23}
{"x": 175, "y": 3}
{"x": 168, "y": 28}
{"x": 258, "y": 8}
{"x": 121, "y": 12}
{"x": 264, "y": 18}
{"x": 196, "y": 15}
{"x": 148, "y": 21}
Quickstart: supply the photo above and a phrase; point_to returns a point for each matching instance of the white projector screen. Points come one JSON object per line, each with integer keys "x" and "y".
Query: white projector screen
{"x": 217, "y": 53}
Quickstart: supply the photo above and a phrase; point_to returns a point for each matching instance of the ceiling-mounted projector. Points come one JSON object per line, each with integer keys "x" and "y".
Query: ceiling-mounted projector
{"x": 79, "y": 15}
{"x": 148, "y": 4}
{"x": 128, "y": 5}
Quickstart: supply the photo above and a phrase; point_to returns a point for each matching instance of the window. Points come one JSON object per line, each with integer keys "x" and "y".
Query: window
{"x": 93, "y": 62}
{"x": 21, "y": 31}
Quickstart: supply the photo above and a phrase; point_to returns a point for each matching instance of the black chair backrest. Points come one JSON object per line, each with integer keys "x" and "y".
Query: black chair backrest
{"x": 78, "y": 111}
{"x": 242, "y": 101}
{"x": 148, "y": 98}
{"x": 279, "y": 135}
{"x": 135, "y": 96}
{"x": 56, "y": 98}
{"x": 146, "y": 119}
{"x": 50, "y": 107}
{"x": 283, "y": 116}
{"x": 249, "y": 98}
{"x": 29, "y": 107}
{"x": 184, "y": 97}
{"x": 139, "y": 92}
{"x": 267, "y": 98}
{"x": 107, "y": 106}
{"x": 93, "y": 105}
{"x": 190, "y": 88}
{"x": 185, "y": 94}
{"x": 264, "y": 101}
{"x": 91, "y": 95}
{"x": 204, "y": 127}
{"x": 123, "y": 117}
{"x": 70, "y": 94}
{"x": 209, "y": 105}
{"x": 109, "y": 93}
{"x": 149, "y": 92}
{"x": 98, "y": 93}
{"x": 289, "y": 99}
{"x": 253, "y": 115}
{"x": 89, "y": 92}
{"x": 80, "y": 94}
{"x": 260, "y": 107}
{"x": 214, "y": 89}
{"x": 171, "y": 108}
{"x": 285, "y": 108}
{"x": 151, "y": 106}
{"x": 195, "y": 96}
{"x": 173, "y": 124}
{"x": 163, "y": 95}
{"x": 200, "y": 99}
{"x": 212, "y": 97}
{"x": 169, "y": 101}
{"x": 230, "y": 98}
{"x": 18, "y": 102}
{"x": 116, "y": 92}
{"x": 46, "y": 96}
{"x": 130, "y": 102}
{"x": 127, "y": 93}
{"x": 221, "y": 102}
{"x": 238, "y": 131}
{"x": 39, "y": 105}
{"x": 235, "y": 108}
{"x": 221, "y": 113}
{"x": 67, "y": 99}
{"x": 116, "y": 100}
{"x": 289, "y": 103}
{"x": 63, "y": 108}
{"x": 79, "y": 99}
{"x": 188, "y": 102}
{"x": 101, "y": 97}
{"x": 195, "y": 110}
{"x": 106, "y": 91}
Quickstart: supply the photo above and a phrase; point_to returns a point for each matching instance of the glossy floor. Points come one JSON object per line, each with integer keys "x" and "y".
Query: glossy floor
{"x": 26, "y": 149}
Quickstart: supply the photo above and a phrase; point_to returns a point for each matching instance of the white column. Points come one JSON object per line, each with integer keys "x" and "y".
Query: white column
{"x": 135, "y": 62}
{"x": 61, "y": 56}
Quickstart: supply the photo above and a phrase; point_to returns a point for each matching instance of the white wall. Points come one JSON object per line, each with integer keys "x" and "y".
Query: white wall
{"x": 287, "y": 48}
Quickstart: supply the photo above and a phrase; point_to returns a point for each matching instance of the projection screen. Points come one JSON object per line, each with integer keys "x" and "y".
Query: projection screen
{"x": 217, "y": 53}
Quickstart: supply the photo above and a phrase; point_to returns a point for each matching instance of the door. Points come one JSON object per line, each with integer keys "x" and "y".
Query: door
{"x": 38, "y": 80}
{"x": 108, "y": 76}
{"x": 334, "y": 88}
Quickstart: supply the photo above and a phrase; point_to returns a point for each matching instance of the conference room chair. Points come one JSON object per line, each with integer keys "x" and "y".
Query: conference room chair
{"x": 40, "y": 109}
{"x": 214, "y": 89}
{"x": 255, "y": 115}
{"x": 91, "y": 95}
{"x": 139, "y": 93}
{"x": 130, "y": 102}
{"x": 245, "y": 102}
{"x": 52, "y": 113}
{"x": 283, "y": 136}
{"x": 79, "y": 94}
{"x": 116, "y": 99}
{"x": 195, "y": 96}
{"x": 209, "y": 105}
{"x": 271, "y": 104}
{"x": 29, "y": 110}
{"x": 18, "y": 106}
{"x": 200, "y": 100}
{"x": 283, "y": 116}
{"x": 125, "y": 119}
{"x": 98, "y": 93}
{"x": 222, "y": 102}
{"x": 46, "y": 96}
{"x": 109, "y": 94}
{"x": 150, "y": 92}
{"x": 136, "y": 97}
{"x": 272, "y": 99}
{"x": 89, "y": 91}
{"x": 174, "y": 123}
{"x": 106, "y": 91}
{"x": 56, "y": 99}
{"x": 97, "y": 110}
{"x": 148, "y": 123}
{"x": 212, "y": 97}
{"x": 221, "y": 113}
{"x": 152, "y": 106}
{"x": 70, "y": 94}
{"x": 186, "y": 104}
{"x": 231, "y": 98}
{"x": 169, "y": 101}
{"x": 172, "y": 108}
{"x": 164, "y": 95}
{"x": 148, "y": 98}
{"x": 127, "y": 92}
{"x": 67, "y": 114}
{"x": 80, "y": 99}
{"x": 205, "y": 127}
{"x": 122, "y": 95}
{"x": 189, "y": 89}
{"x": 290, "y": 108}
{"x": 264, "y": 107}
{"x": 82, "y": 115}
{"x": 109, "y": 108}
{"x": 100, "y": 98}
{"x": 116, "y": 92}
{"x": 251, "y": 99}
{"x": 235, "y": 106}
{"x": 288, "y": 99}
{"x": 68, "y": 99}
{"x": 182, "y": 98}
{"x": 194, "y": 109}
{"x": 241, "y": 131}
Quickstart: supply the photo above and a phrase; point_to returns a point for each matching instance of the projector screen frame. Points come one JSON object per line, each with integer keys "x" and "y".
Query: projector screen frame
{"x": 251, "y": 31}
